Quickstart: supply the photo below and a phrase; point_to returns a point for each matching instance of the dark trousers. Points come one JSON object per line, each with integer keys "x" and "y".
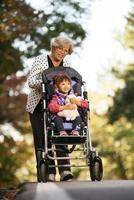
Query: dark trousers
{"x": 58, "y": 121}
{"x": 37, "y": 121}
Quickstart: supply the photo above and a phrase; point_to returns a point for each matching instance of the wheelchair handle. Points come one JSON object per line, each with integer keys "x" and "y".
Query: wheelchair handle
{"x": 85, "y": 94}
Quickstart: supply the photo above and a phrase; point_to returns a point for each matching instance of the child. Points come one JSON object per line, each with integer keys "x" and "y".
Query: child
{"x": 58, "y": 105}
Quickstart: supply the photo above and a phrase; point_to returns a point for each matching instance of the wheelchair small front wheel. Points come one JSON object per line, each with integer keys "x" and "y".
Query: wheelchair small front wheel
{"x": 96, "y": 169}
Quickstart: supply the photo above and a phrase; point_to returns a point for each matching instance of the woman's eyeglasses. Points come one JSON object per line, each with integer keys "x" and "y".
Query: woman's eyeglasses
{"x": 65, "y": 50}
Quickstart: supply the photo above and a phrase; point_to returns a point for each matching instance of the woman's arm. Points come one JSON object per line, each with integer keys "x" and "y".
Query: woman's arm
{"x": 35, "y": 76}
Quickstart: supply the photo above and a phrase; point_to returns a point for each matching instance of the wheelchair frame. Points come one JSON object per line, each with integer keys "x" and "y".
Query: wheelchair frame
{"x": 93, "y": 160}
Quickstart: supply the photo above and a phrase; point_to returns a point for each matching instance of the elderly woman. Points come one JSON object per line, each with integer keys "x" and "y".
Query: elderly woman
{"x": 60, "y": 48}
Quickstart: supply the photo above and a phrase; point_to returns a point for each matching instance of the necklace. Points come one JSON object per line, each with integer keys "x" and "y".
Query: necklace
{"x": 55, "y": 62}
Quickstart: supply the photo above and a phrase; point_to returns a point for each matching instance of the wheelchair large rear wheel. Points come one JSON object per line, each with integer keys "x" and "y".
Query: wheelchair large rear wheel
{"x": 96, "y": 169}
{"x": 44, "y": 171}
{"x": 38, "y": 174}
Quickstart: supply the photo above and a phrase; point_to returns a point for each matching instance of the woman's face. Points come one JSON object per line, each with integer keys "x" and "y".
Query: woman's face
{"x": 64, "y": 87}
{"x": 60, "y": 52}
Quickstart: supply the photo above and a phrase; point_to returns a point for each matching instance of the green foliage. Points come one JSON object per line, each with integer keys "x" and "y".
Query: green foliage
{"x": 129, "y": 33}
{"x": 10, "y": 62}
{"x": 123, "y": 101}
{"x": 17, "y": 22}
{"x": 21, "y": 23}
{"x": 118, "y": 130}
{"x": 13, "y": 155}
{"x": 124, "y": 98}
{"x": 7, "y": 166}
{"x": 114, "y": 142}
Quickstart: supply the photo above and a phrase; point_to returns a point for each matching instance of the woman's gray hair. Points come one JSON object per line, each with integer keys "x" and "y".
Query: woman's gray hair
{"x": 62, "y": 41}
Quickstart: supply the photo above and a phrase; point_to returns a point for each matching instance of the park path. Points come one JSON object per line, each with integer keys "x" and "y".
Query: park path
{"x": 78, "y": 190}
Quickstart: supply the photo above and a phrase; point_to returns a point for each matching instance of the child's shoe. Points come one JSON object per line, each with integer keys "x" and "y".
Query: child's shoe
{"x": 63, "y": 133}
{"x": 75, "y": 132}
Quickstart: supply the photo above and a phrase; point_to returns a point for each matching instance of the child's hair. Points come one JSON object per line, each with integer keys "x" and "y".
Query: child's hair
{"x": 60, "y": 78}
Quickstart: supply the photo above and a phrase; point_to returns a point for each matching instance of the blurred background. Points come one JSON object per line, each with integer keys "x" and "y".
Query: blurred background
{"x": 103, "y": 33}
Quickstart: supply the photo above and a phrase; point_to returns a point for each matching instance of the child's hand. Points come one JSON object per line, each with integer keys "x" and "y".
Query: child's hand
{"x": 74, "y": 101}
{"x": 70, "y": 106}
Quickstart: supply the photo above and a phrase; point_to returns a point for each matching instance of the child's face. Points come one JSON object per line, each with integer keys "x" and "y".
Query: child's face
{"x": 64, "y": 87}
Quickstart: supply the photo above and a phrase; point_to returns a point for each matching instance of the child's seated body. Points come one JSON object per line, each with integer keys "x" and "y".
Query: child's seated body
{"x": 64, "y": 104}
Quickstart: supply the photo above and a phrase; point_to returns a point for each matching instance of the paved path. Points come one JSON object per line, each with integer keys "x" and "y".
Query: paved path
{"x": 81, "y": 190}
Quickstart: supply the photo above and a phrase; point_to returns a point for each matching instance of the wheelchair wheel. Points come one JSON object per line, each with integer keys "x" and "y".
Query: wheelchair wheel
{"x": 38, "y": 174}
{"x": 44, "y": 171}
{"x": 96, "y": 169}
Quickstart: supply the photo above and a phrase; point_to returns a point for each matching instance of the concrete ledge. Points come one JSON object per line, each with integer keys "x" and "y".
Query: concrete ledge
{"x": 81, "y": 190}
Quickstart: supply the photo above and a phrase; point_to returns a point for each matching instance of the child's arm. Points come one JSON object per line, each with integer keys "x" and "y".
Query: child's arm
{"x": 54, "y": 107}
{"x": 79, "y": 102}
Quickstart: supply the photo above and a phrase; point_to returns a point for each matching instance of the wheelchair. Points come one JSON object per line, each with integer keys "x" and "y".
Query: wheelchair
{"x": 70, "y": 143}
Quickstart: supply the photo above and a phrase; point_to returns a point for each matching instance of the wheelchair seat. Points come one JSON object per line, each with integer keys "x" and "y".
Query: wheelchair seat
{"x": 71, "y": 139}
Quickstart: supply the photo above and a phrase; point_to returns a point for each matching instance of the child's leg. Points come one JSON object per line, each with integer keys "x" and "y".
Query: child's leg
{"x": 59, "y": 125}
{"x": 76, "y": 125}
{"x": 58, "y": 121}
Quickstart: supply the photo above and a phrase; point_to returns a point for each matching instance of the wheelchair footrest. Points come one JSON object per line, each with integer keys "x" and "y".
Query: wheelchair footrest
{"x": 68, "y": 139}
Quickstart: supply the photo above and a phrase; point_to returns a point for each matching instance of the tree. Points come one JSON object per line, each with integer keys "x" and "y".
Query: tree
{"x": 24, "y": 32}
{"x": 20, "y": 23}
{"x": 113, "y": 135}
{"x": 34, "y": 29}
{"x": 14, "y": 25}
{"x": 117, "y": 145}
{"x": 14, "y": 157}
{"x": 123, "y": 101}
{"x": 129, "y": 33}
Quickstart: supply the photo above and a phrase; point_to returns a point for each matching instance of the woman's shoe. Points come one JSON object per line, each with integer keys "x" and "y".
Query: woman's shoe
{"x": 51, "y": 177}
{"x": 66, "y": 176}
